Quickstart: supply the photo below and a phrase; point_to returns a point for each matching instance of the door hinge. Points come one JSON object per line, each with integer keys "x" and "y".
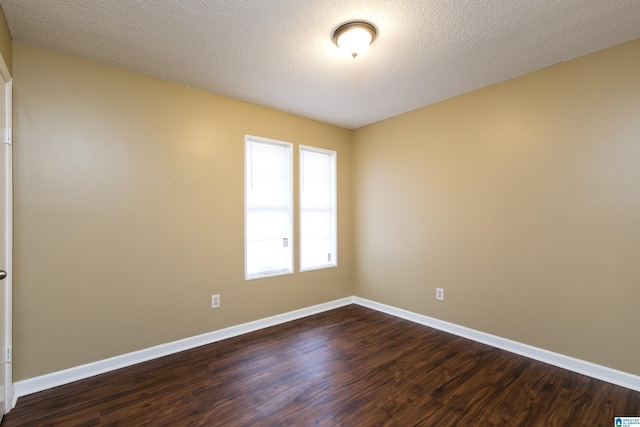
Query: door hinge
{"x": 5, "y": 136}
{"x": 6, "y": 355}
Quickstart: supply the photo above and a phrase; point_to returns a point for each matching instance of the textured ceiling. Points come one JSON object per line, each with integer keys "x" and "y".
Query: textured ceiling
{"x": 279, "y": 53}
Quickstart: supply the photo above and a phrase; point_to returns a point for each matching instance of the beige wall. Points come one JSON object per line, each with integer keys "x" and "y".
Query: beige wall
{"x": 521, "y": 200}
{"x": 129, "y": 213}
{"x": 5, "y": 42}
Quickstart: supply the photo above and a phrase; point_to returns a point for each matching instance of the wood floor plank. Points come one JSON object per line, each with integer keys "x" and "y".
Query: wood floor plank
{"x": 347, "y": 367}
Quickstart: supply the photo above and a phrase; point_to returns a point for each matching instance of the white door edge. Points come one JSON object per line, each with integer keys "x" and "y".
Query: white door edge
{"x": 8, "y": 228}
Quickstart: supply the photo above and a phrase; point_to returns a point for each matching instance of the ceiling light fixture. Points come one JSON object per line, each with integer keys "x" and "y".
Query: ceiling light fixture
{"x": 354, "y": 37}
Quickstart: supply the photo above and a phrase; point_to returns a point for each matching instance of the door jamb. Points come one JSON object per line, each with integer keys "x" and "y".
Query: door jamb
{"x": 8, "y": 139}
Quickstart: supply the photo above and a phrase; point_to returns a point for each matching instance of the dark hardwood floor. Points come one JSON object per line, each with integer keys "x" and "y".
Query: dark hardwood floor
{"x": 347, "y": 367}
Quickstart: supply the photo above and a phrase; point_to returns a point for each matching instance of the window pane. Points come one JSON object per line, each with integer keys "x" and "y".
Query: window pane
{"x": 269, "y": 175}
{"x": 268, "y": 208}
{"x": 317, "y": 208}
{"x": 317, "y": 242}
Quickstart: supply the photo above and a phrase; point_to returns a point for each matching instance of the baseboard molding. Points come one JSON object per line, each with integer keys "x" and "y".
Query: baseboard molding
{"x": 54, "y": 379}
{"x": 599, "y": 372}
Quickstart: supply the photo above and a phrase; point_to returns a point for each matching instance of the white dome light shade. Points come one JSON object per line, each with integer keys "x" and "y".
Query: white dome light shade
{"x": 354, "y": 37}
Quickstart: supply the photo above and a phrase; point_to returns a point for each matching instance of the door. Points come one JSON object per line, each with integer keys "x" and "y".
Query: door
{"x": 6, "y": 383}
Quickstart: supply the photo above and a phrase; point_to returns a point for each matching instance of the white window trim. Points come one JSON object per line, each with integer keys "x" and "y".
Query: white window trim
{"x": 247, "y": 140}
{"x": 334, "y": 154}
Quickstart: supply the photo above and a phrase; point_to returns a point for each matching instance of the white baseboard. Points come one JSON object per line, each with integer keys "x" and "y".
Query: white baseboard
{"x": 54, "y": 379}
{"x": 599, "y": 372}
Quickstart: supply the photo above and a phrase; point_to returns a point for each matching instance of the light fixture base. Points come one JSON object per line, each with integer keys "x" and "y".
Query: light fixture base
{"x": 355, "y": 36}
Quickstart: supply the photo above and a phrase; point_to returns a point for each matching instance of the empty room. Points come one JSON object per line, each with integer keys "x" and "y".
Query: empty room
{"x": 333, "y": 213}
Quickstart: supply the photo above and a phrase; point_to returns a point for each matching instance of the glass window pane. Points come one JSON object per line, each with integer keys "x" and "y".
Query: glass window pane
{"x": 268, "y": 208}
{"x": 318, "y": 211}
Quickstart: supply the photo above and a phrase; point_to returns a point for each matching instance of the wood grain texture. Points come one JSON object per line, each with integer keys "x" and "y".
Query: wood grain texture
{"x": 347, "y": 367}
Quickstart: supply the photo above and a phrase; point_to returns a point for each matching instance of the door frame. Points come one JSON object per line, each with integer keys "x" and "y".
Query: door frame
{"x": 7, "y": 143}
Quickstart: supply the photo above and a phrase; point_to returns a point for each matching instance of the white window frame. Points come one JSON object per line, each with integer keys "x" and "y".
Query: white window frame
{"x": 249, "y": 139}
{"x": 334, "y": 155}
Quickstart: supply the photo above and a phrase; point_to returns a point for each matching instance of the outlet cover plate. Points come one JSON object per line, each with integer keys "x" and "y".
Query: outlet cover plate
{"x": 215, "y": 301}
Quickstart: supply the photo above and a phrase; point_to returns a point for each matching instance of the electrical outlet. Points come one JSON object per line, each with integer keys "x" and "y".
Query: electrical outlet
{"x": 215, "y": 301}
{"x": 440, "y": 294}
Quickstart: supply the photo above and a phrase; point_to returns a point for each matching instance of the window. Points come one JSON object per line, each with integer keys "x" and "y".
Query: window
{"x": 268, "y": 208}
{"x": 318, "y": 247}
